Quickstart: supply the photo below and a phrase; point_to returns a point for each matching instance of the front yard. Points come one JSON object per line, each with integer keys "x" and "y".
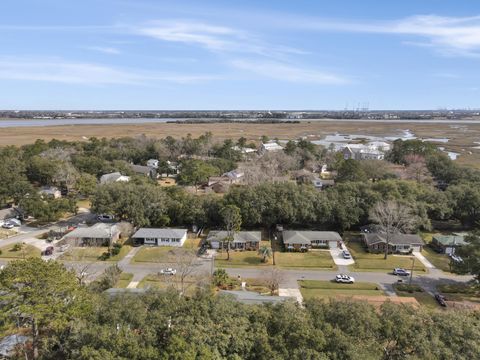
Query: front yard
{"x": 423, "y": 297}
{"x": 329, "y": 289}
{"x": 365, "y": 261}
{"x": 460, "y": 292}
{"x": 440, "y": 261}
{"x": 124, "y": 280}
{"x": 19, "y": 251}
{"x": 156, "y": 254}
{"x": 312, "y": 259}
{"x": 92, "y": 253}
{"x": 6, "y": 233}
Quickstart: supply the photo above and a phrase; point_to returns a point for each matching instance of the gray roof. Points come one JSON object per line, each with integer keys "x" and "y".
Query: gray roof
{"x": 140, "y": 169}
{"x": 238, "y": 237}
{"x": 395, "y": 239}
{"x": 450, "y": 240}
{"x": 306, "y": 237}
{"x": 97, "y": 231}
{"x": 153, "y": 233}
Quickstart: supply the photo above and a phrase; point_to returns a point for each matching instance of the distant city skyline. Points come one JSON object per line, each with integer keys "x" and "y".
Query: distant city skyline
{"x": 183, "y": 55}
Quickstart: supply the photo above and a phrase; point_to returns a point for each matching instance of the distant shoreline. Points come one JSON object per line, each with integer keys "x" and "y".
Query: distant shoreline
{"x": 15, "y": 123}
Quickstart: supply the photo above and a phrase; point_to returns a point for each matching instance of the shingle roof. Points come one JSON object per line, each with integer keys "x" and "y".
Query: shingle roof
{"x": 450, "y": 240}
{"x": 306, "y": 237}
{"x": 140, "y": 169}
{"x": 143, "y": 233}
{"x": 395, "y": 239}
{"x": 238, "y": 237}
{"x": 99, "y": 231}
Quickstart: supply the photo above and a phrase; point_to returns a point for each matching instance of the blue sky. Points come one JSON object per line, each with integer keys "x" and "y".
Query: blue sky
{"x": 154, "y": 54}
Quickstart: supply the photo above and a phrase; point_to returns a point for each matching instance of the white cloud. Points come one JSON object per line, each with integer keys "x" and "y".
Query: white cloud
{"x": 60, "y": 71}
{"x": 215, "y": 38}
{"x": 104, "y": 49}
{"x": 286, "y": 72}
{"x": 450, "y": 35}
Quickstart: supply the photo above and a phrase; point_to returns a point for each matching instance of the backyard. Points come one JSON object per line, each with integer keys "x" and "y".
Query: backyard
{"x": 365, "y": 261}
{"x": 328, "y": 289}
{"x": 19, "y": 251}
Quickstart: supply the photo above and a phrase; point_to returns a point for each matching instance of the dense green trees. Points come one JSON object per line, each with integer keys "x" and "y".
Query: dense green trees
{"x": 73, "y": 322}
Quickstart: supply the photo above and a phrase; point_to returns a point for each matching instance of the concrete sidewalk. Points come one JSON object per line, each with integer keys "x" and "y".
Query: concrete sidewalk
{"x": 291, "y": 292}
{"x": 423, "y": 260}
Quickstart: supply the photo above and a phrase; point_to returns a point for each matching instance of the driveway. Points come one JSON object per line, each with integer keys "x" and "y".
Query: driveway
{"x": 338, "y": 258}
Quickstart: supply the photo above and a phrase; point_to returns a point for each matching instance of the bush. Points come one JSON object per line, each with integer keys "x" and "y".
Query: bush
{"x": 17, "y": 247}
{"x": 116, "y": 249}
{"x": 220, "y": 278}
{"x": 104, "y": 256}
{"x": 408, "y": 288}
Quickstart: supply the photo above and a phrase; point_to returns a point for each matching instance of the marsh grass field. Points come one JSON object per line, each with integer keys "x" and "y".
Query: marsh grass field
{"x": 462, "y": 137}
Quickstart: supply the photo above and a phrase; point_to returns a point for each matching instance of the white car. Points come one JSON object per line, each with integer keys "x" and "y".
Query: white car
{"x": 8, "y": 225}
{"x": 105, "y": 217}
{"x": 345, "y": 279}
{"x": 168, "y": 271}
{"x": 346, "y": 254}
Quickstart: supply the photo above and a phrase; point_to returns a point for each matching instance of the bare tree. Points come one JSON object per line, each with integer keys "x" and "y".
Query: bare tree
{"x": 392, "y": 217}
{"x": 272, "y": 279}
{"x": 416, "y": 168}
{"x": 185, "y": 262}
{"x": 232, "y": 220}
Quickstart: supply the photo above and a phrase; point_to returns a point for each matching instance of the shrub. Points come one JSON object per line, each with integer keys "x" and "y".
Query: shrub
{"x": 17, "y": 247}
{"x": 220, "y": 278}
{"x": 408, "y": 288}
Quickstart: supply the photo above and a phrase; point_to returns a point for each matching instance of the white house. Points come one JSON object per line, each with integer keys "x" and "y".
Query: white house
{"x": 113, "y": 177}
{"x": 152, "y": 163}
{"x": 160, "y": 237}
{"x": 50, "y": 191}
{"x": 270, "y": 146}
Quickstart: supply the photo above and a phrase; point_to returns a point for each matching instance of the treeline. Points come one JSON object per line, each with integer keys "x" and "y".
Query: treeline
{"x": 342, "y": 207}
{"x": 64, "y": 319}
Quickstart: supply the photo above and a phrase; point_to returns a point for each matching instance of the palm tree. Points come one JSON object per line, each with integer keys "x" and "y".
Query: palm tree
{"x": 265, "y": 252}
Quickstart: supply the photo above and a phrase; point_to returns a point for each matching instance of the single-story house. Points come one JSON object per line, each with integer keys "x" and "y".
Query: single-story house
{"x": 101, "y": 234}
{"x": 160, "y": 237}
{"x": 270, "y": 146}
{"x": 447, "y": 244}
{"x": 50, "y": 191}
{"x": 398, "y": 243}
{"x": 113, "y": 177}
{"x": 242, "y": 240}
{"x": 304, "y": 240}
{"x": 234, "y": 176}
{"x": 321, "y": 184}
{"x": 152, "y": 163}
{"x": 144, "y": 170}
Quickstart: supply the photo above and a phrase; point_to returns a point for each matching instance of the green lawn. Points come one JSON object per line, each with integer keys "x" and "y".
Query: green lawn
{"x": 156, "y": 254}
{"x": 440, "y": 261}
{"x": 27, "y": 251}
{"x": 161, "y": 282}
{"x": 92, "y": 253}
{"x": 460, "y": 292}
{"x": 240, "y": 258}
{"x": 327, "y": 289}
{"x": 424, "y": 298}
{"x": 310, "y": 259}
{"x": 365, "y": 261}
{"x": 124, "y": 280}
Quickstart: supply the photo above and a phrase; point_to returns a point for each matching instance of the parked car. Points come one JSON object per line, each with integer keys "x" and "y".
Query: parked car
{"x": 441, "y": 300}
{"x": 14, "y": 222}
{"x": 8, "y": 225}
{"x": 105, "y": 217}
{"x": 345, "y": 279}
{"x": 346, "y": 254}
{"x": 401, "y": 272}
{"x": 168, "y": 271}
{"x": 48, "y": 251}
